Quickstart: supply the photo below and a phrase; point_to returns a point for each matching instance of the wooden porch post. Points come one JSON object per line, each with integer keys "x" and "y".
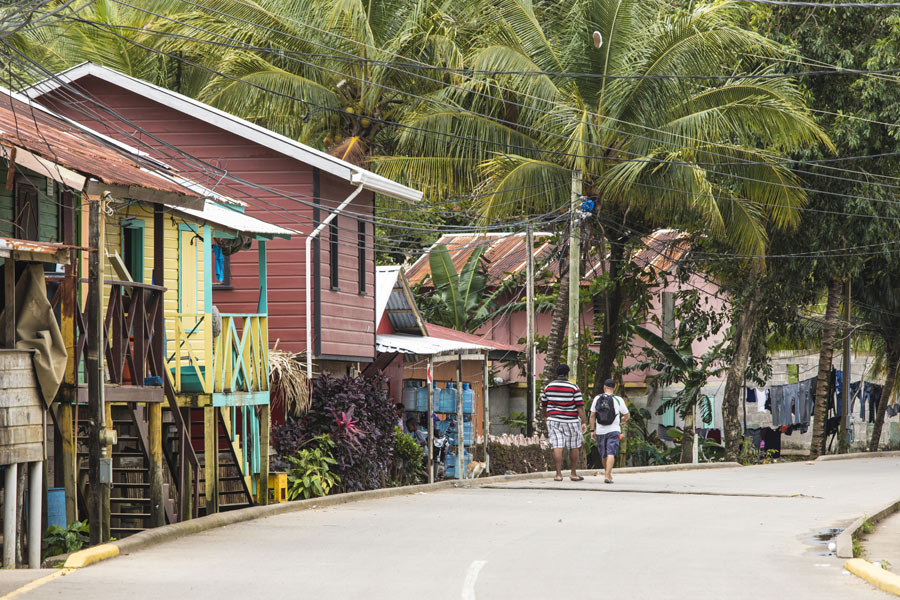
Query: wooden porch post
{"x": 460, "y": 423}
{"x": 65, "y": 421}
{"x": 429, "y": 381}
{"x": 265, "y": 424}
{"x": 265, "y": 411}
{"x": 157, "y": 500}
{"x": 211, "y": 457}
{"x": 486, "y": 415}
{"x": 207, "y": 271}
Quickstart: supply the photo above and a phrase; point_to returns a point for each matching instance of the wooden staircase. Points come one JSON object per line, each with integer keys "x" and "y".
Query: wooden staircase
{"x": 235, "y": 484}
{"x": 130, "y": 503}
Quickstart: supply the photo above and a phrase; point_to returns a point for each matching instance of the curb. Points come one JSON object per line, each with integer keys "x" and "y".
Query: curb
{"x": 167, "y": 533}
{"x": 883, "y": 580}
{"x": 844, "y": 540}
{"x": 881, "y": 454}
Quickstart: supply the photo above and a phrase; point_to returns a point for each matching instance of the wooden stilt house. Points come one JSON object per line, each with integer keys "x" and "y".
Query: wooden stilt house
{"x": 184, "y": 386}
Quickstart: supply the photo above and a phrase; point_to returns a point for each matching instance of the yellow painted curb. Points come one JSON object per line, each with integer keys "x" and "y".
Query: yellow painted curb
{"x": 883, "y": 580}
{"x": 89, "y": 556}
{"x": 35, "y": 584}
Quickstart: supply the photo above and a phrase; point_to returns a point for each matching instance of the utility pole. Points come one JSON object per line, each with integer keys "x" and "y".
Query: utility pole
{"x": 574, "y": 274}
{"x": 529, "y": 343}
{"x": 100, "y": 465}
{"x": 845, "y": 384}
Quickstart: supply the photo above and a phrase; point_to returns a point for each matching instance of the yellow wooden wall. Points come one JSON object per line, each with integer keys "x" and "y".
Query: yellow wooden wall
{"x": 172, "y": 262}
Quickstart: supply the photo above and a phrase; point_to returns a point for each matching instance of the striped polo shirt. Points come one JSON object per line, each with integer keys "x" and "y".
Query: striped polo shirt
{"x": 562, "y": 399}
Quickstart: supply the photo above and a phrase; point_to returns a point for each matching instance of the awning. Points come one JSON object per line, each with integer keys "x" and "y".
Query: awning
{"x": 443, "y": 342}
{"x": 232, "y": 221}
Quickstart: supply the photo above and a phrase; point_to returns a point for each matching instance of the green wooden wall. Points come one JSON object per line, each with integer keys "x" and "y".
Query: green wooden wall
{"x": 47, "y": 197}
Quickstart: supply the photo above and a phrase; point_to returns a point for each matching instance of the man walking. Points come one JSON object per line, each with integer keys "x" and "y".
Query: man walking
{"x": 608, "y": 413}
{"x": 565, "y": 420}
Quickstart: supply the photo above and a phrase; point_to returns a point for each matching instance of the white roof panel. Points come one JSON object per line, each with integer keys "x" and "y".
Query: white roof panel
{"x": 424, "y": 345}
{"x": 232, "y": 220}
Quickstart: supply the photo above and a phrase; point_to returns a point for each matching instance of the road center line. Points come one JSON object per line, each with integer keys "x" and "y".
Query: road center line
{"x": 468, "y": 589}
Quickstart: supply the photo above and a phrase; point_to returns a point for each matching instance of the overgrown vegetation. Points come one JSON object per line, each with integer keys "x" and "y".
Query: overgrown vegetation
{"x": 408, "y": 459}
{"x": 359, "y": 418}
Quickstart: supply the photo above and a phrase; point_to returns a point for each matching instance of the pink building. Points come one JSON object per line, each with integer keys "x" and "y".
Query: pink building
{"x": 506, "y": 256}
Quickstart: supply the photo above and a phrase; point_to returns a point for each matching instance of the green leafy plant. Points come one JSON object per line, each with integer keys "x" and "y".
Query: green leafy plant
{"x": 409, "y": 456}
{"x": 310, "y": 474}
{"x": 516, "y": 420}
{"x": 62, "y": 540}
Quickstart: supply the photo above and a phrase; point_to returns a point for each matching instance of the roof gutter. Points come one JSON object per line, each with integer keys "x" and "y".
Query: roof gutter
{"x": 309, "y": 348}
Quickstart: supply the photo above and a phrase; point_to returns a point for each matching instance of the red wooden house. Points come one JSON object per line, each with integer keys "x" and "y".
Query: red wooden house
{"x": 283, "y": 182}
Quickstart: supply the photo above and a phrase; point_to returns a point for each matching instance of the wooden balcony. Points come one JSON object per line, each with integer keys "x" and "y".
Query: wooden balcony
{"x": 228, "y": 370}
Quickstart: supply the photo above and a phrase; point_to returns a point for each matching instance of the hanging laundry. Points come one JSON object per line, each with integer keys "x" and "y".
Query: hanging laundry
{"x": 762, "y": 400}
{"x": 807, "y": 400}
{"x": 776, "y": 397}
{"x": 750, "y": 394}
{"x": 791, "y": 404}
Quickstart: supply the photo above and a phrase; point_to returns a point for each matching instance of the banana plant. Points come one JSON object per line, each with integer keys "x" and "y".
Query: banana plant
{"x": 677, "y": 364}
{"x": 464, "y": 300}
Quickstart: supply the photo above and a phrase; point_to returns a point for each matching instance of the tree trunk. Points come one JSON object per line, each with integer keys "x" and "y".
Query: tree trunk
{"x": 612, "y": 300}
{"x": 820, "y": 409}
{"x": 734, "y": 380}
{"x": 893, "y": 359}
{"x": 557, "y": 326}
{"x": 687, "y": 440}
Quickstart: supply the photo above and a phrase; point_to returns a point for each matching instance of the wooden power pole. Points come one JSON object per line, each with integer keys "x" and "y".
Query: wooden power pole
{"x": 529, "y": 343}
{"x": 100, "y": 465}
{"x": 574, "y": 274}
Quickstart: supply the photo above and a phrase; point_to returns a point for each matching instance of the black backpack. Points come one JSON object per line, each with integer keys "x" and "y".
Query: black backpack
{"x": 606, "y": 409}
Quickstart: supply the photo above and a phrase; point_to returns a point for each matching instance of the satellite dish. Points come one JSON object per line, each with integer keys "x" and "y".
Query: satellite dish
{"x": 598, "y": 39}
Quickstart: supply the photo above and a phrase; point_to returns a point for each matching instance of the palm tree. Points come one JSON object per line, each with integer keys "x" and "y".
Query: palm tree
{"x": 700, "y": 154}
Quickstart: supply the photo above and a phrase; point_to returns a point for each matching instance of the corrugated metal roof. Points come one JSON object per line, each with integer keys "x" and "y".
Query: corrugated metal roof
{"x": 506, "y": 254}
{"x": 470, "y": 338}
{"x": 234, "y": 221}
{"x": 394, "y": 300}
{"x": 423, "y": 345}
{"x": 28, "y": 125}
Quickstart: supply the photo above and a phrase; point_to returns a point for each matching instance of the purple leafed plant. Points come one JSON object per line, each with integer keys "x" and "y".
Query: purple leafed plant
{"x": 359, "y": 416}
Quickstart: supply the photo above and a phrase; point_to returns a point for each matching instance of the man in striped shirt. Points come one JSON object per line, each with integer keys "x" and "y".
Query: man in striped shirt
{"x": 565, "y": 419}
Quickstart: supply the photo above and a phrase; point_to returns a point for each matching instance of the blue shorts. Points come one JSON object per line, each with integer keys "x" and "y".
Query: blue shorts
{"x": 608, "y": 444}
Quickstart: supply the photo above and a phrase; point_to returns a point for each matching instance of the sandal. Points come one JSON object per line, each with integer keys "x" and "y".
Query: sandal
{"x": 607, "y": 480}
{"x": 577, "y": 478}
{"x": 557, "y": 479}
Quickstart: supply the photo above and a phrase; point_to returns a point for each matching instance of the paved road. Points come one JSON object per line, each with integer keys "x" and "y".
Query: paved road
{"x": 647, "y": 536}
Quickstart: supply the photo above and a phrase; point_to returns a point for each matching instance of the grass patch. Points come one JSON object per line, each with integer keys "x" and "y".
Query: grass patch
{"x": 865, "y": 529}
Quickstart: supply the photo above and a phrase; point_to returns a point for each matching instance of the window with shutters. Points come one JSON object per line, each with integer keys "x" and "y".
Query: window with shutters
{"x": 27, "y": 211}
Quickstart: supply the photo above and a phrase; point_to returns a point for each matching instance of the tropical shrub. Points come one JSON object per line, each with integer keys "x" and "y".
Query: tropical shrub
{"x": 408, "y": 458}
{"x": 62, "y": 540}
{"x": 359, "y": 417}
{"x": 310, "y": 473}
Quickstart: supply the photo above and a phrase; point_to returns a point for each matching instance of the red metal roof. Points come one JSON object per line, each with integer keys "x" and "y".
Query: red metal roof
{"x": 506, "y": 254}
{"x": 27, "y": 125}
{"x": 438, "y": 331}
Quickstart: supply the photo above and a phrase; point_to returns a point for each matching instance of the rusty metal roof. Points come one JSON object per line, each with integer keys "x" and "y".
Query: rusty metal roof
{"x": 29, "y": 126}
{"x": 506, "y": 254}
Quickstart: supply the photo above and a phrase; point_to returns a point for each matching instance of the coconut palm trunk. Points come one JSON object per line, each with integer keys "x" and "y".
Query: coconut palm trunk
{"x": 610, "y": 303}
{"x": 557, "y": 326}
{"x": 889, "y": 382}
{"x": 820, "y": 410}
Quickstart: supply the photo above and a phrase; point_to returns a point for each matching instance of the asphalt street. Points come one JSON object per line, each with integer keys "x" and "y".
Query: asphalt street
{"x": 751, "y": 532}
